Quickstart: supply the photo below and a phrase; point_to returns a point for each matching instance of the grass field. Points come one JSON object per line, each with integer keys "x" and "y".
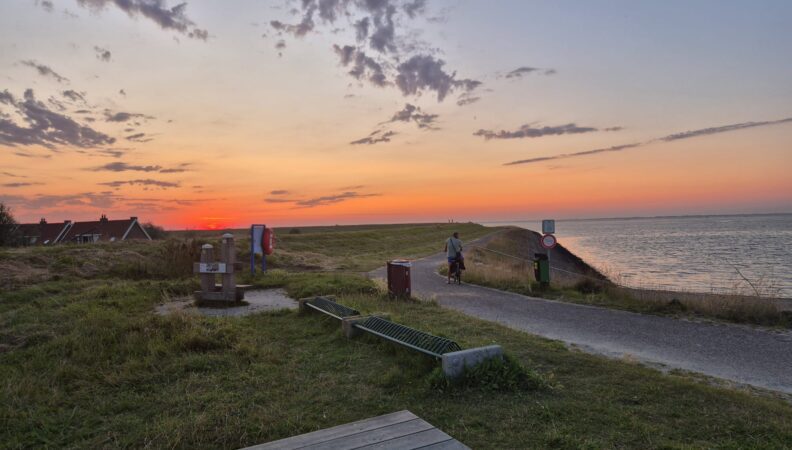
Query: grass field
{"x": 85, "y": 362}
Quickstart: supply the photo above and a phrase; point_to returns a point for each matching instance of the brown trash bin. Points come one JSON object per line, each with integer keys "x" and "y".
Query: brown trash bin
{"x": 399, "y": 284}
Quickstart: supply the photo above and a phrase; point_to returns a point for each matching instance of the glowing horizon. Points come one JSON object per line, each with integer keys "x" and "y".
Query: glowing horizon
{"x": 215, "y": 117}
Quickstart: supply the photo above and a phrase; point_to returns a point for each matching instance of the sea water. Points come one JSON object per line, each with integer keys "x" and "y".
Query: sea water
{"x": 691, "y": 253}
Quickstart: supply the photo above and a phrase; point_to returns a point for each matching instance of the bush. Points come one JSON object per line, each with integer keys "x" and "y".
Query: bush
{"x": 8, "y": 235}
{"x": 496, "y": 374}
{"x": 154, "y": 231}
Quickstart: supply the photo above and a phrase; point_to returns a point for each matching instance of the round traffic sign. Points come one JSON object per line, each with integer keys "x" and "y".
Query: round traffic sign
{"x": 548, "y": 241}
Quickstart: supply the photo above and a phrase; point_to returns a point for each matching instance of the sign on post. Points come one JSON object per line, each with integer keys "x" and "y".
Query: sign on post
{"x": 256, "y": 247}
{"x": 548, "y": 226}
{"x": 548, "y": 241}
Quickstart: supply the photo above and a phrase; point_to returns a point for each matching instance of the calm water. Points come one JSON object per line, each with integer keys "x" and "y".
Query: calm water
{"x": 685, "y": 253}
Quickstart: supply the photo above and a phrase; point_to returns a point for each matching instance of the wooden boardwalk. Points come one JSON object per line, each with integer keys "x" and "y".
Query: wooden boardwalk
{"x": 399, "y": 430}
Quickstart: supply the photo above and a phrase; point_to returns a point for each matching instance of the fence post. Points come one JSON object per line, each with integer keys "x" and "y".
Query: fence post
{"x": 229, "y": 257}
{"x": 207, "y": 279}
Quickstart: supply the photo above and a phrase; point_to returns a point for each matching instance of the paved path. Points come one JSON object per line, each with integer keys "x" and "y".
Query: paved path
{"x": 733, "y": 352}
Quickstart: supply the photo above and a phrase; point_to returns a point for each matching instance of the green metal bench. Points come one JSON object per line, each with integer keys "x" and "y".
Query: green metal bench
{"x": 409, "y": 337}
{"x": 327, "y": 306}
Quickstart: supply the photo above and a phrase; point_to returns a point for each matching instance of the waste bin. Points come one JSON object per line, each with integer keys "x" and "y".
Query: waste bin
{"x": 542, "y": 269}
{"x": 399, "y": 284}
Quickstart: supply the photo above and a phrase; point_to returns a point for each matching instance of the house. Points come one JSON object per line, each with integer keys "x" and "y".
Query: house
{"x": 104, "y": 229}
{"x": 42, "y": 233}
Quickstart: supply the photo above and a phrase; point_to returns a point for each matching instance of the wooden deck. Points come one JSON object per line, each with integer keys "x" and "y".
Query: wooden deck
{"x": 399, "y": 430}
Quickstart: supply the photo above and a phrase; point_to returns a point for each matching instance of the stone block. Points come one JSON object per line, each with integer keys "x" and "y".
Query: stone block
{"x": 454, "y": 363}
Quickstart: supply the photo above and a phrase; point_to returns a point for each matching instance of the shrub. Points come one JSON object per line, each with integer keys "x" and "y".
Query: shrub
{"x": 497, "y": 374}
{"x": 154, "y": 231}
{"x": 8, "y": 235}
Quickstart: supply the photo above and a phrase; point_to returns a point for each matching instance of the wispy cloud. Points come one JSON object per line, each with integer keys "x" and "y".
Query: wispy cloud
{"x": 142, "y": 182}
{"x": 376, "y": 137}
{"x": 46, "y": 127}
{"x": 158, "y": 11}
{"x": 102, "y": 54}
{"x": 279, "y": 192}
{"x": 124, "y": 167}
{"x": 20, "y": 184}
{"x": 45, "y": 71}
{"x": 522, "y": 71}
{"x": 332, "y": 199}
{"x": 122, "y": 116}
{"x": 412, "y": 113}
{"x": 670, "y": 138}
{"x": 528, "y": 131}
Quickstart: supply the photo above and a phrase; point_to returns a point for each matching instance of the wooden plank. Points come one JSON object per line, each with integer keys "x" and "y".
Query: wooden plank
{"x": 374, "y": 436}
{"x": 338, "y": 431}
{"x": 412, "y": 441}
{"x": 453, "y": 444}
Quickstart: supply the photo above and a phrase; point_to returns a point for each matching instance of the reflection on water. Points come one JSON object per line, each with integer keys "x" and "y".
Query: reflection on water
{"x": 686, "y": 253}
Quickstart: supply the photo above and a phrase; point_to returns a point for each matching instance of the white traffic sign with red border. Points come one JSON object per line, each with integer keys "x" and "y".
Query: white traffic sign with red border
{"x": 548, "y": 241}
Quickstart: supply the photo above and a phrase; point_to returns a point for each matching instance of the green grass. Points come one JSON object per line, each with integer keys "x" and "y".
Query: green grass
{"x": 86, "y": 363}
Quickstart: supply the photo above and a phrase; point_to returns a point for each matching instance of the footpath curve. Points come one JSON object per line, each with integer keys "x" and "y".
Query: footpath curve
{"x": 742, "y": 354}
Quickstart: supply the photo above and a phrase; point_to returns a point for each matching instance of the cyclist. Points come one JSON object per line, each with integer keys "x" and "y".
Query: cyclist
{"x": 453, "y": 249}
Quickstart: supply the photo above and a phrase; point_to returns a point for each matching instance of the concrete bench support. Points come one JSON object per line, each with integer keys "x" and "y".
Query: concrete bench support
{"x": 454, "y": 363}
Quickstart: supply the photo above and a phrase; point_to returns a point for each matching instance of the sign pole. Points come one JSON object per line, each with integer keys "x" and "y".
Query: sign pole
{"x": 263, "y": 253}
{"x": 252, "y": 254}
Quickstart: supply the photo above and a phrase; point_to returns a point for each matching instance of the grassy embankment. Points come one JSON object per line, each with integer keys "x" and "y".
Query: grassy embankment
{"x": 86, "y": 363}
{"x": 495, "y": 270}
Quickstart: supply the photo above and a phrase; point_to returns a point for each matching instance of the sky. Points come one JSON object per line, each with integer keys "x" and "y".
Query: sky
{"x": 208, "y": 114}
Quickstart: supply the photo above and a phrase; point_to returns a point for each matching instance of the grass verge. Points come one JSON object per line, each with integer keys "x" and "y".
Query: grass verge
{"x": 86, "y": 363}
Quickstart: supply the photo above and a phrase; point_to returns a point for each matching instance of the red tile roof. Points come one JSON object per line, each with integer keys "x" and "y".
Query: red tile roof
{"x": 108, "y": 230}
{"x": 45, "y": 233}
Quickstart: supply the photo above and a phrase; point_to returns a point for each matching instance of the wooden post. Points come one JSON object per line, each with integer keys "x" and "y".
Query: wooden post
{"x": 207, "y": 279}
{"x": 229, "y": 257}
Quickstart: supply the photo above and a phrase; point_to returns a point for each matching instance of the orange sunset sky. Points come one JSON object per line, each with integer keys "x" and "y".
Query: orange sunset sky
{"x": 219, "y": 114}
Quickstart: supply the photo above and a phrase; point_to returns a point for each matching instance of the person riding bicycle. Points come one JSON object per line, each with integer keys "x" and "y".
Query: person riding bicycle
{"x": 453, "y": 248}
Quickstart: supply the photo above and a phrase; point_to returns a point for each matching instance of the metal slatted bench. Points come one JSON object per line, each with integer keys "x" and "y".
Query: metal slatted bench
{"x": 408, "y": 337}
{"x": 326, "y": 305}
{"x": 399, "y": 430}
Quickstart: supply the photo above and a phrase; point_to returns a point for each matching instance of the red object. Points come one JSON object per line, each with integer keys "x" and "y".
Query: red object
{"x": 399, "y": 284}
{"x": 268, "y": 241}
{"x": 548, "y": 241}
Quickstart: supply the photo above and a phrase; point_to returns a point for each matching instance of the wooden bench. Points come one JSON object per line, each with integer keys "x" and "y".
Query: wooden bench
{"x": 399, "y": 430}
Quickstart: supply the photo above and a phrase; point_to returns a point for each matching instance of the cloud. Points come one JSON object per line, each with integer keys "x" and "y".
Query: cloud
{"x": 124, "y": 167}
{"x": 11, "y": 175}
{"x": 85, "y": 199}
{"x": 669, "y": 138}
{"x": 613, "y": 129}
{"x": 168, "y": 18}
{"x": 110, "y": 152}
{"x": 46, "y": 5}
{"x": 122, "y": 92}
{"x": 615, "y": 148}
{"x": 466, "y": 98}
{"x": 142, "y": 182}
{"x": 124, "y": 116}
{"x": 138, "y": 137}
{"x": 102, "y": 54}
{"x": 279, "y": 192}
{"x": 721, "y": 129}
{"x": 527, "y": 131}
{"x": 399, "y": 58}
{"x": 74, "y": 95}
{"x": 411, "y": 113}
{"x": 20, "y": 184}
{"x": 45, "y": 71}
{"x": 46, "y": 128}
{"x": 362, "y": 66}
{"x": 425, "y": 73}
{"x": 375, "y": 137}
{"x": 183, "y": 167}
{"x": 332, "y": 199}
{"x": 522, "y": 71}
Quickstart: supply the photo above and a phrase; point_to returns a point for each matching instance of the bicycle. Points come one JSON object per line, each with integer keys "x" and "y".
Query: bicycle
{"x": 456, "y": 272}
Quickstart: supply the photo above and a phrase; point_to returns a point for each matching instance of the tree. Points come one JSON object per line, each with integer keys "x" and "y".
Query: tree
{"x": 7, "y": 227}
{"x": 154, "y": 231}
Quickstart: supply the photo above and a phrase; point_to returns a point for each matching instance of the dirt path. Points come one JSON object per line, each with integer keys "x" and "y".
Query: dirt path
{"x": 732, "y": 352}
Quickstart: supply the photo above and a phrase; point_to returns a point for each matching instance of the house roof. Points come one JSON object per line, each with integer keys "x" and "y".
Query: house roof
{"x": 45, "y": 232}
{"x": 106, "y": 229}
